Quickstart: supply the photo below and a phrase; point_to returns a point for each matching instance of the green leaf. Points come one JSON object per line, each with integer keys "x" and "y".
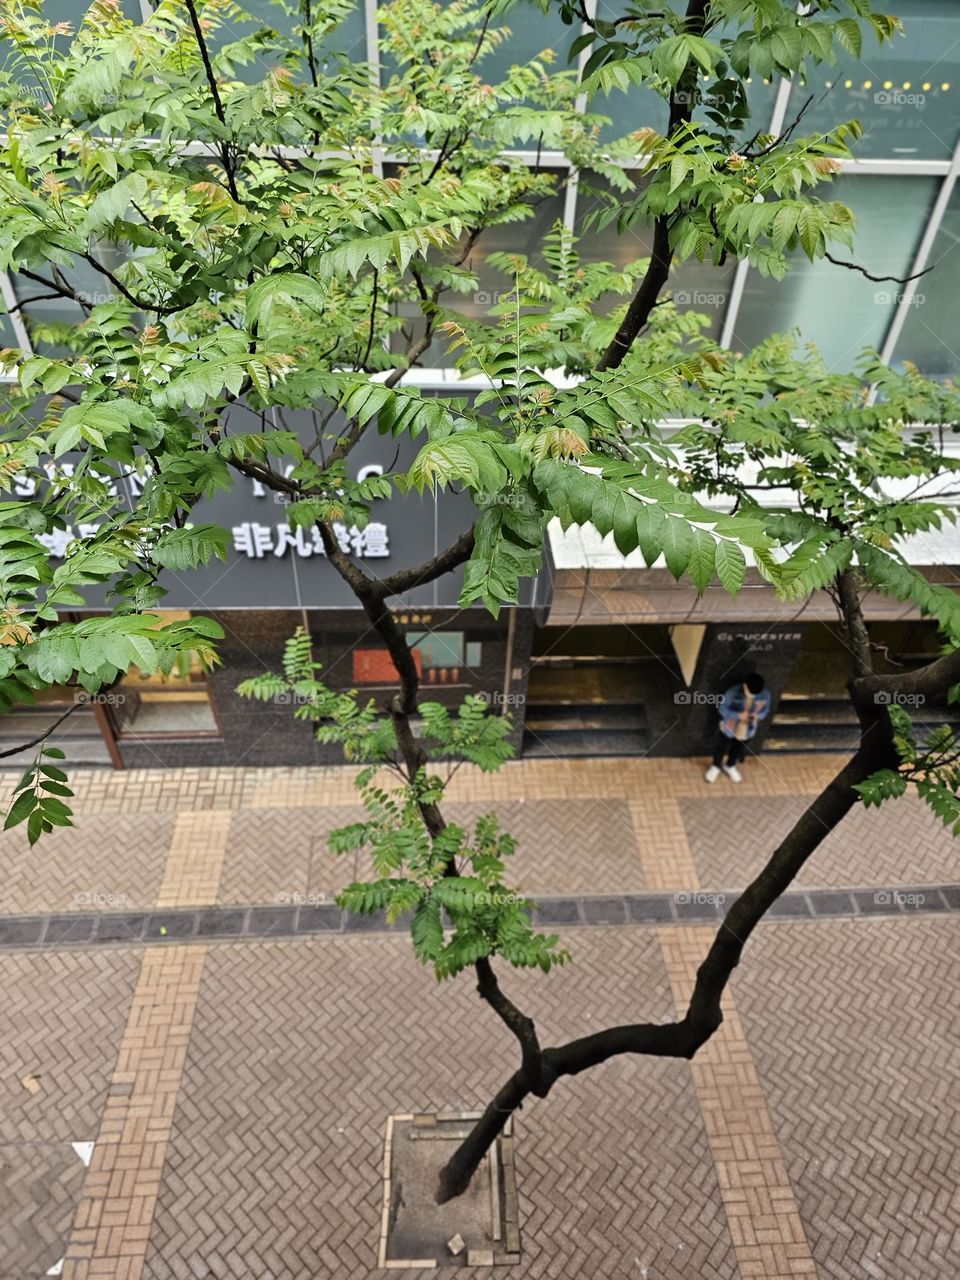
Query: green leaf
{"x": 114, "y": 202}
{"x": 21, "y": 808}
{"x": 285, "y": 288}
{"x": 191, "y": 547}
{"x": 55, "y": 788}
{"x": 427, "y": 930}
{"x": 650, "y": 526}
{"x": 678, "y": 543}
{"x": 731, "y": 566}
{"x": 702, "y": 559}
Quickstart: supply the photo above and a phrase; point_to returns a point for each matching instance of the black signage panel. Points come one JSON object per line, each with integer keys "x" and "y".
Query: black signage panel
{"x": 269, "y": 565}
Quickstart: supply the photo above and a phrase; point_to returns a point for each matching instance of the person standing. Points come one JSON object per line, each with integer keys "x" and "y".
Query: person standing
{"x": 742, "y": 709}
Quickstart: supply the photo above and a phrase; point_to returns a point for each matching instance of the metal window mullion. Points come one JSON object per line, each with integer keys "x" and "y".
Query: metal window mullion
{"x": 777, "y": 116}
{"x": 920, "y": 261}
{"x": 373, "y": 62}
{"x": 16, "y": 316}
{"x": 580, "y": 105}
{"x": 732, "y": 312}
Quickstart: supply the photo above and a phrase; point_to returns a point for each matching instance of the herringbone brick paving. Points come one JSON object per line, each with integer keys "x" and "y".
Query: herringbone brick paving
{"x": 115, "y": 1212}
{"x": 857, "y": 1042}
{"x": 117, "y": 863}
{"x": 39, "y": 1187}
{"x": 299, "y": 1054}
{"x": 63, "y": 1017}
{"x": 302, "y": 863}
{"x": 897, "y": 844}
{"x": 294, "y": 1042}
{"x": 153, "y": 791}
{"x": 578, "y": 824}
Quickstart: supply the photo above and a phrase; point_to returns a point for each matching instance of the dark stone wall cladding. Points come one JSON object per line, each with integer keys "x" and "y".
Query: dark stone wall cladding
{"x": 268, "y": 733}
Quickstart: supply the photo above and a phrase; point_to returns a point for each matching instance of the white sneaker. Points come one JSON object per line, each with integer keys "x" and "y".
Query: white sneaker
{"x": 733, "y": 773}
{"x": 712, "y": 774}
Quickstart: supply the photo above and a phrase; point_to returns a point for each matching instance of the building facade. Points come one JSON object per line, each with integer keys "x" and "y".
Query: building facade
{"x": 601, "y": 655}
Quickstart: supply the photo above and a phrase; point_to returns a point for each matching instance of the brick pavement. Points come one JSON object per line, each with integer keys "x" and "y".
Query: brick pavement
{"x": 63, "y": 1017}
{"x": 300, "y": 1053}
{"x": 580, "y": 824}
{"x": 238, "y": 1092}
{"x": 114, "y": 1217}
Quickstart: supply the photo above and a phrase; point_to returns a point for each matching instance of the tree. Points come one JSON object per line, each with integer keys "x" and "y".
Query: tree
{"x": 265, "y": 265}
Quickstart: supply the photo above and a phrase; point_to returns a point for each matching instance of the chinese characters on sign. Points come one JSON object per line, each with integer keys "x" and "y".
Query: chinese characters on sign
{"x": 58, "y": 541}
{"x": 252, "y": 539}
{"x": 255, "y": 541}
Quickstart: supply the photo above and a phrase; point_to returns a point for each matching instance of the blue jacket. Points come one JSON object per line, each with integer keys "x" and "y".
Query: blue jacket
{"x": 733, "y": 705}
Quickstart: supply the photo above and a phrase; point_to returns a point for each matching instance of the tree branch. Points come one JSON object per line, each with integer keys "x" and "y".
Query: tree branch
{"x": 139, "y": 303}
{"x": 15, "y": 751}
{"x": 703, "y": 1015}
{"x": 661, "y": 256}
{"x": 34, "y": 297}
{"x": 522, "y": 1027}
{"x": 931, "y": 681}
{"x": 215, "y": 94}
{"x": 61, "y": 285}
{"x": 855, "y": 266}
{"x": 308, "y": 42}
{"x": 450, "y": 558}
{"x": 780, "y": 138}
{"x": 848, "y": 587}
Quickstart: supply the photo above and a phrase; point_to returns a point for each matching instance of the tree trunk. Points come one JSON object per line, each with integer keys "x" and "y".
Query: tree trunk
{"x": 456, "y": 1174}
{"x": 703, "y": 1015}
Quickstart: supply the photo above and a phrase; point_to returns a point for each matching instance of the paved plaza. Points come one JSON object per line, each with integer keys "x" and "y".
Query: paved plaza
{"x": 200, "y": 1051}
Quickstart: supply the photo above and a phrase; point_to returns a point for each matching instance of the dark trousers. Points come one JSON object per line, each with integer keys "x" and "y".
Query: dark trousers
{"x": 735, "y": 750}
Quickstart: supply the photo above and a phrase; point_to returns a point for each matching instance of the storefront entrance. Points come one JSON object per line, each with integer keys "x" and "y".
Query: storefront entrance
{"x": 592, "y": 690}
{"x": 815, "y": 713}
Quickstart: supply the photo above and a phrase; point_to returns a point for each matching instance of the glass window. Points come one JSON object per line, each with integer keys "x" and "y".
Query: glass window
{"x": 174, "y": 705}
{"x": 904, "y": 92}
{"x": 349, "y": 38}
{"x": 931, "y": 334}
{"x": 91, "y": 285}
{"x": 641, "y": 108}
{"x": 73, "y": 11}
{"x": 512, "y": 237}
{"x": 838, "y": 309}
{"x": 8, "y": 337}
{"x": 79, "y": 735}
{"x": 531, "y": 33}
{"x": 696, "y": 286}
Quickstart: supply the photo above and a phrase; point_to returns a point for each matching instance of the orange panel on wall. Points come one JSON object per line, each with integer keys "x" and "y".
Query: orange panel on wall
{"x": 375, "y": 666}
